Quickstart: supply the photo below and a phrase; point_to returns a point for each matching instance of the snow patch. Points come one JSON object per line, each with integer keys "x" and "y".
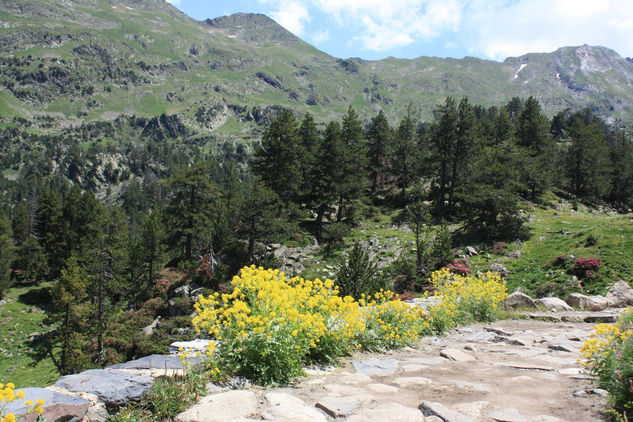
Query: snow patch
{"x": 516, "y": 75}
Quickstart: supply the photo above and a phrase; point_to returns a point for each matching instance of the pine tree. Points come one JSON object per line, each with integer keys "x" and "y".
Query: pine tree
{"x": 354, "y": 161}
{"x": 443, "y": 138}
{"x": 379, "y": 138}
{"x": 7, "y": 254}
{"x": 152, "y": 243}
{"x": 278, "y": 161}
{"x": 404, "y": 151}
{"x": 50, "y": 229}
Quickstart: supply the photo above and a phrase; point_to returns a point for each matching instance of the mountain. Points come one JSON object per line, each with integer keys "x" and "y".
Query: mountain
{"x": 65, "y": 63}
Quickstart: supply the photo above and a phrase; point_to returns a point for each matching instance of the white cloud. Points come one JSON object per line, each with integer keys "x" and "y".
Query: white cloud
{"x": 321, "y": 36}
{"x": 498, "y": 29}
{"x": 292, "y": 15}
{"x": 486, "y": 28}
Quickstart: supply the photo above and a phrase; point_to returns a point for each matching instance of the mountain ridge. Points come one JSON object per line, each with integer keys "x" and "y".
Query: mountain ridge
{"x": 77, "y": 61}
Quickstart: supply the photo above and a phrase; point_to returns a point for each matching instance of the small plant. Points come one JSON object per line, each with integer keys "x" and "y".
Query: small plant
{"x": 500, "y": 248}
{"x": 8, "y": 394}
{"x": 608, "y": 355}
{"x": 561, "y": 261}
{"x": 586, "y": 268}
{"x": 459, "y": 266}
{"x": 359, "y": 274}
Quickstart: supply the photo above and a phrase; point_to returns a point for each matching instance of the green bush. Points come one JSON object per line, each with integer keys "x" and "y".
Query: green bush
{"x": 358, "y": 275}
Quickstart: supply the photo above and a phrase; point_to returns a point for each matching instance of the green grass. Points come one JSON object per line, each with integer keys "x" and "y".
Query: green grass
{"x": 22, "y": 316}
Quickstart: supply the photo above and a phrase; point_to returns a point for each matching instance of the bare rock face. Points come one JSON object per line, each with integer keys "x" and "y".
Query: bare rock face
{"x": 223, "y": 407}
{"x": 498, "y": 268}
{"x": 59, "y": 407}
{"x": 620, "y": 295}
{"x": 587, "y": 303}
{"x": 553, "y": 304}
{"x": 519, "y": 300}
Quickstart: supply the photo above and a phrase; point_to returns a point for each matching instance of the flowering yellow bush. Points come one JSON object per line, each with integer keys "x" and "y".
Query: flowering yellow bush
{"x": 8, "y": 394}
{"x": 608, "y": 355}
{"x": 465, "y": 298}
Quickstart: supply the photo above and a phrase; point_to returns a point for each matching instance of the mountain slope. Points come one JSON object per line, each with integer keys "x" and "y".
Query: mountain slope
{"x": 69, "y": 62}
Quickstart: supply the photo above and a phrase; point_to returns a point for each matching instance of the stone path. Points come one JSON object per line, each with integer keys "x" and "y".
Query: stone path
{"x": 513, "y": 370}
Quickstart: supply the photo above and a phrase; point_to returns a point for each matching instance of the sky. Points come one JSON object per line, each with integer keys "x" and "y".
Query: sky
{"x": 488, "y": 29}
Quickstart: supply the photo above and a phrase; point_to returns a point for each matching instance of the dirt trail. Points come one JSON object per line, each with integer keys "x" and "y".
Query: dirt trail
{"x": 512, "y": 370}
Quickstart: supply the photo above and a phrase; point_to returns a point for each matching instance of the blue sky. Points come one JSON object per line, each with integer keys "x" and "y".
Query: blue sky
{"x": 489, "y": 29}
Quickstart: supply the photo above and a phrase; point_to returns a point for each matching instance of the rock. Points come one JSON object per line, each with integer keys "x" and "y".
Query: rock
{"x": 337, "y": 408}
{"x": 197, "y": 345}
{"x": 509, "y": 414}
{"x": 553, "y": 304}
{"x": 470, "y": 386}
{"x": 404, "y": 382}
{"x": 474, "y": 409}
{"x": 392, "y": 412}
{"x": 600, "y": 392}
{"x": 378, "y": 367}
{"x": 111, "y": 386}
{"x": 412, "y": 367}
{"x": 519, "y": 300}
{"x": 381, "y": 388}
{"x": 471, "y": 251}
{"x": 429, "y": 408}
{"x": 456, "y": 355}
{"x": 283, "y": 405}
{"x": 500, "y": 269}
{"x": 155, "y": 362}
{"x": 580, "y": 393}
{"x": 150, "y": 328}
{"x": 620, "y": 295}
{"x": 570, "y": 371}
{"x": 587, "y": 303}
{"x": 57, "y": 406}
{"x": 223, "y": 407}
{"x": 515, "y": 254}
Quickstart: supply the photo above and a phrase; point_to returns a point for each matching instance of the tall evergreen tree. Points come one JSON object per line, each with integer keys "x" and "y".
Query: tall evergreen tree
{"x": 354, "y": 161}
{"x": 278, "y": 160}
{"x": 404, "y": 151}
{"x": 7, "y": 254}
{"x": 379, "y": 139}
{"x": 443, "y": 138}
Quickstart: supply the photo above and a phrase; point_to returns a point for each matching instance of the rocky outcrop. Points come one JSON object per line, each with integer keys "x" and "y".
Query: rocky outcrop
{"x": 58, "y": 407}
{"x": 553, "y": 304}
{"x": 620, "y": 295}
{"x": 111, "y": 386}
{"x": 587, "y": 303}
{"x": 519, "y": 300}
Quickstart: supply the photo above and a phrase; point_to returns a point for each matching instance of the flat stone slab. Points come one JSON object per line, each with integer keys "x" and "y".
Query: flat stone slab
{"x": 526, "y": 366}
{"x": 155, "y": 362}
{"x": 222, "y": 407}
{"x": 392, "y": 412}
{"x": 111, "y": 386}
{"x": 381, "y": 388}
{"x": 337, "y": 408}
{"x": 456, "y": 355}
{"x": 197, "y": 345}
{"x": 376, "y": 367}
{"x": 470, "y": 385}
{"x": 429, "y": 408}
{"x": 281, "y": 405}
{"x": 509, "y": 414}
{"x": 56, "y": 406}
{"x": 404, "y": 382}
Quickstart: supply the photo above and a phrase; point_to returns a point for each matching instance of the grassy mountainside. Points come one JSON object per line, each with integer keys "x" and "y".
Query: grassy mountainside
{"x": 75, "y": 61}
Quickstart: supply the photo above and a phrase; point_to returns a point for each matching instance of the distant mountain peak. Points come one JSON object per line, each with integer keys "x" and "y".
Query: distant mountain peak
{"x": 253, "y": 28}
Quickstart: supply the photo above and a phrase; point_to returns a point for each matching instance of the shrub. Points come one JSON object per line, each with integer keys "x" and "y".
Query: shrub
{"x": 586, "y": 268}
{"x": 561, "y": 261}
{"x": 403, "y": 273}
{"x": 459, "y": 266}
{"x": 608, "y": 355}
{"x": 358, "y": 275}
{"x": 465, "y": 298}
{"x": 500, "y": 248}
{"x": 270, "y": 325}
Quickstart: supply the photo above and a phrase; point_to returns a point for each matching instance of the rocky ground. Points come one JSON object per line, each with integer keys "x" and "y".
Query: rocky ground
{"x": 512, "y": 370}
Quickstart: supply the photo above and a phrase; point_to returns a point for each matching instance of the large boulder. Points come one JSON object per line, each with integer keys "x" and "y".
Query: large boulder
{"x": 553, "y": 304}
{"x": 155, "y": 362}
{"x": 620, "y": 295}
{"x": 111, "y": 386}
{"x": 57, "y": 407}
{"x": 587, "y": 303}
{"x": 519, "y": 300}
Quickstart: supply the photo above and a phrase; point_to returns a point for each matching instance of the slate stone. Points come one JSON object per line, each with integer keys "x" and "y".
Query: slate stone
{"x": 429, "y": 408}
{"x": 392, "y": 412}
{"x": 456, "y": 355}
{"x": 57, "y": 406}
{"x": 587, "y": 303}
{"x": 286, "y": 406}
{"x": 223, "y": 407}
{"x": 337, "y": 408}
{"x": 404, "y": 382}
{"x": 111, "y": 386}
{"x": 509, "y": 414}
{"x": 377, "y": 367}
{"x": 197, "y": 345}
{"x": 554, "y": 304}
{"x": 519, "y": 300}
{"x": 155, "y": 362}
